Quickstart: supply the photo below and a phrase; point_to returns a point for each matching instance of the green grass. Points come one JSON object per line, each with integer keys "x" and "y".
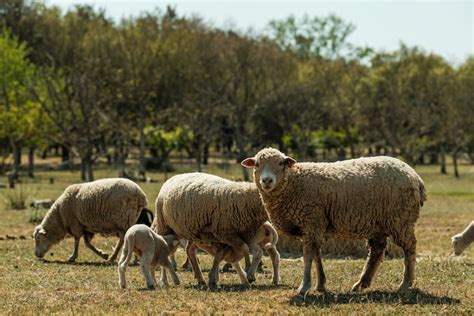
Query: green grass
{"x": 443, "y": 284}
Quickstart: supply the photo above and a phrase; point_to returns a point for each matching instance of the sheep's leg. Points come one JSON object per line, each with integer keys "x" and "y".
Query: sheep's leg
{"x": 145, "y": 264}
{"x": 191, "y": 253}
{"x": 307, "y": 260}
{"x": 248, "y": 263}
{"x": 152, "y": 272}
{"x": 113, "y": 256}
{"x": 173, "y": 262}
{"x": 275, "y": 257}
{"x": 257, "y": 253}
{"x": 74, "y": 255}
{"x": 319, "y": 270}
{"x": 87, "y": 241}
{"x": 164, "y": 277}
{"x": 376, "y": 250}
{"x": 174, "y": 276}
{"x": 407, "y": 241}
{"x": 242, "y": 275}
{"x": 214, "y": 273}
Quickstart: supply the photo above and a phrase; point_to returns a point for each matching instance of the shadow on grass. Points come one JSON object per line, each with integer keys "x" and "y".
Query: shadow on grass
{"x": 412, "y": 296}
{"x": 81, "y": 263}
{"x": 236, "y": 287}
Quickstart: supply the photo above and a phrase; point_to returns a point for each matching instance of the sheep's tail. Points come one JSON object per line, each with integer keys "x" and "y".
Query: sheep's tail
{"x": 269, "y": 228}
{"x": 423, "y": 194}
{"x": 159, "y": 225}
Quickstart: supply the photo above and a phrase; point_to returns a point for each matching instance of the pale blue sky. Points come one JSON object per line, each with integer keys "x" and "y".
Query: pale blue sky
{"x": 444, "y": 27}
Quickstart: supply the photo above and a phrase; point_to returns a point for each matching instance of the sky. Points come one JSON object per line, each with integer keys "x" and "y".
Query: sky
{"x": 443, "y": 27}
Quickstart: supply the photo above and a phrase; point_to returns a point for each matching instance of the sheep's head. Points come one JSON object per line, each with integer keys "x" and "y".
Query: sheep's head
{"x": 270, "y": 168}
{"x": 43, "y": 244}
{"x": 458, "y": 244}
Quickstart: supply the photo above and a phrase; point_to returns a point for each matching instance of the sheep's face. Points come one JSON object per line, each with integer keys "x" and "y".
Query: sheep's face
{"x": 458, "y": 245}
{"x": 42, "y": 242}
{"x": 270, "y": 167}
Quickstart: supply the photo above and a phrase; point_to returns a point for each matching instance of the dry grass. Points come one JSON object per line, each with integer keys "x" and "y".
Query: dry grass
{"x": 443, "y": 284}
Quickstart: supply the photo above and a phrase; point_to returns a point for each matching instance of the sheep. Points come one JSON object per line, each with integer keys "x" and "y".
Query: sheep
{"x": 365, "y": 198}
{"x": 152, "y": 249}
{"x": 462, "y": 240}
{"x": 146, "y": 217}
{"x": 204, "y": 208}
{"x": 266, "y": 237}
{"x": 107, "y": 206}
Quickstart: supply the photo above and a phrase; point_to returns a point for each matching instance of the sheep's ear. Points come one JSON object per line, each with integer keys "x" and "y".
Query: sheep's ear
{"x": 290, "y": 162}
{"x": 248, "y": 163}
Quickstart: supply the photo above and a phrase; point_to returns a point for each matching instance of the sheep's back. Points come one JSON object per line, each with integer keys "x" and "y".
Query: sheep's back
{"x": 109, "y": 205}
{"x": 359, "y": 197}
{"x": 197, "y": 202}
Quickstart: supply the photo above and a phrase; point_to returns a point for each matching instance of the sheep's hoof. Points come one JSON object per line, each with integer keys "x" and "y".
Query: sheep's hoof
{"x": 358, "y": 286}
{"x": 104, "y": 256}
{"x": 321, "y": 288}
{"x": 303, "y": 290}
{"x": 251, "y": 278}
{"x": 71, "y": 259}
{"x": 275, "y": 282}
{"x": 404, "y": 286}
{"x": 151, "y": 287}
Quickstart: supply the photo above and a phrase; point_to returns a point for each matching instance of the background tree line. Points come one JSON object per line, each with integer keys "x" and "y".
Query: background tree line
{"x": 160, "y": 83}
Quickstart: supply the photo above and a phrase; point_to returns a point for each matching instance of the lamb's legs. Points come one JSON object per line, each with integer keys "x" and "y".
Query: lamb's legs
{"x": 73, "y": 257}
{"x": 275, "y": 257}
{"x": 376, "y": 250}
{"x": 214, "y": 273}
{"x": 257, "y": 253}
{"x": 241, "y": 273}
{"x": 407, "y": 241}
{"x": 87, "y": 241}
{"x": 117, "y": 248}
{"x": 191, "y": 253}
{"x": 145, "y": 264}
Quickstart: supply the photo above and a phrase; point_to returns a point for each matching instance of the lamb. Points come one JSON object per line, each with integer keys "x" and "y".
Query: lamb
{"x": 462, "y": 240}
{"x": 266, "y": 237}
{"x": 107, "y": 206}
{"x": 152, "y": 249}
{"x": 365, "y": 198}
{"x": 208, "y": 209}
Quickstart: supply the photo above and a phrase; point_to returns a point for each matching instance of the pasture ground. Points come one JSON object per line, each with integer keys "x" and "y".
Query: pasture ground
{"x": 446, "y": 285}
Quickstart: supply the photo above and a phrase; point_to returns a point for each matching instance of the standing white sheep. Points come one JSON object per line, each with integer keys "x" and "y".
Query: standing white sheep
{"x": 462, "y": 240}
{"x": 208, "y": 209}
{"x": 106, "y": 206}
{"x": 152, "y": 249}
{"x": 365, "y": 198}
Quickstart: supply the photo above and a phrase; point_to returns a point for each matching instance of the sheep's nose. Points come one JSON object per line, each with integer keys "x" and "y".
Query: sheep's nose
{"x": 267, "y": 181}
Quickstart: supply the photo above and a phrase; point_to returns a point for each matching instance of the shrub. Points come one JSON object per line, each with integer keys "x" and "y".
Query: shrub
{"x": 16, "y": 198}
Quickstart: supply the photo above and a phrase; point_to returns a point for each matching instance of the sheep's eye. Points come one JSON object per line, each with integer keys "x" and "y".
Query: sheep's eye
{"x": 281, "y": 163}
{"x": 257, "y": 165}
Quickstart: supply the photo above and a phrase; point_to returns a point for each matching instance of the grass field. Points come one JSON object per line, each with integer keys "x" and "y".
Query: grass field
{"x": 446, "y": 285}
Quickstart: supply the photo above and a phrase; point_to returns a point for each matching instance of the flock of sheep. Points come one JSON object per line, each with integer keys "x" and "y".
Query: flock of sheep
{"x": 366, "y": 198}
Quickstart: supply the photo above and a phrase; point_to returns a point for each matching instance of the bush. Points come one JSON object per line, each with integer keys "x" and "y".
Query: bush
{"x": 16, "y": 198}
{"x": 37, "y": 215}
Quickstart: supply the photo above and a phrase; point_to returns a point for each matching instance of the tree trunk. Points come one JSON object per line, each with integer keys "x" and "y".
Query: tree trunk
{"x": 86, "y": 169}
{"x": 31, "y": 162}
{"x": 141, "y": 158}
{"x": 443, "y": 161}
{"x": 455, "y": 164}
{"x": 198, "y": 152}
{"x": 16, "y": 159}
{"x": 205, "y": 159}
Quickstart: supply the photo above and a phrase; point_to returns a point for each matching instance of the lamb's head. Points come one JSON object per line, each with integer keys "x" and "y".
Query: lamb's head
{"x": 270, "y": 168}
{"x": 43, "y": 244}
{"x": 458, "y": 244}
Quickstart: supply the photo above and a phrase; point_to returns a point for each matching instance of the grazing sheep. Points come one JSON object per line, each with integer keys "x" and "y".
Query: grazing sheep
{"x": 207, "y": 209}
{"x": 152, "y": 249}
{"x": 462, "y": 240}
{"x": 107, "y": 206}
{"x": 365, "y": 198}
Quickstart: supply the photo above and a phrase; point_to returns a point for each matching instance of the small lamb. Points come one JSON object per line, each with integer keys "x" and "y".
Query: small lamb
{"x": 462, "y": 240}
{"x": 152, "y": 249}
